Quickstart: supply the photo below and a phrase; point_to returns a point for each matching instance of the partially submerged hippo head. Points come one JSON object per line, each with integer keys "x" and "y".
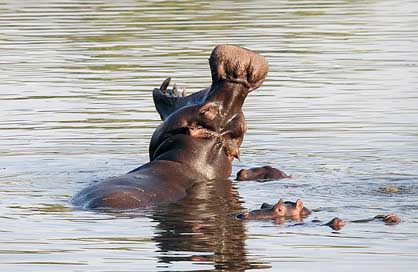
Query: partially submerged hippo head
{"x": 282, "y": 209}
{"x": 292, "y": 208}
{"x": 389, "y": 219}
{"x": 264, "y": 173}
{"x": 336, "y": 223}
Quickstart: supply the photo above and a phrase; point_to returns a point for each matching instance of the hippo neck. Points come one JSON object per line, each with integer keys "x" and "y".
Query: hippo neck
{"x": 203, "y": 157}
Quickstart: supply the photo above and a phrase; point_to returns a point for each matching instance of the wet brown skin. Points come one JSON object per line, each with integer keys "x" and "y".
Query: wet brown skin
{"x": 282, "y": 209}
{"x": 264, "y": 173}
{"x": 292, "y": 206}
{"x": 197, "y": 141}
{"x": 336, "y": 223}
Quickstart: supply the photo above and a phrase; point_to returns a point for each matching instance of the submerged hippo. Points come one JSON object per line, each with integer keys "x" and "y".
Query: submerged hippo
{"x": 389, "y": 219}
{"x": 282, "y": 209}
{"x": 261, "y": 173}
{"x": 198, "y": 139}
{"x": 297, "y": 211}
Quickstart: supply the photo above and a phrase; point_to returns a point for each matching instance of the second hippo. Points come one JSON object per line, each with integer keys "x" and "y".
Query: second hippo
{"x": 282, "y": 209}
{"x": 263, "y": 173}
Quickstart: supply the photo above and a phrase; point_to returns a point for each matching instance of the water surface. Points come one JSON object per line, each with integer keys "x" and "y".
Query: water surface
{"x": 338, "y": 111}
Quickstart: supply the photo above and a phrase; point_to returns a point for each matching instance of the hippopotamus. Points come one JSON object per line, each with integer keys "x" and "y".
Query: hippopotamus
{"x": 282, "y": 209}
{"x": 263, "y": 173}
{"x": 296, "y": 211}
{"x": 337, "y": 223}
{"x": 198, "y": 138}
{"x": 389, "y": 219}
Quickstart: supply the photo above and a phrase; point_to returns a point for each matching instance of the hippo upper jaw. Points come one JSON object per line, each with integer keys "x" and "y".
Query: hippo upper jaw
{"x": 238, "y": 65}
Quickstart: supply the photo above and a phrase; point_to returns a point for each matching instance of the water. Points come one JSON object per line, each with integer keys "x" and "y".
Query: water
{"x": 338, "y": 111}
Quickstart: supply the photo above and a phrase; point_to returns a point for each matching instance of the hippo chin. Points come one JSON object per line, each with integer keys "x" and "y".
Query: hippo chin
{"x": 198, "y": 139}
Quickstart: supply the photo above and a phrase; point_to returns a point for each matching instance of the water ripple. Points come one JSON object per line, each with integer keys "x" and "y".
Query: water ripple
{"x": 337, "y": 111}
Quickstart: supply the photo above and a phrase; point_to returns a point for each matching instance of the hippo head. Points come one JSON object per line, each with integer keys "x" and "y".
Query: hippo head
{"x": 294, "y": 210}
{"x": 243, "y": 174}
{"x": 206, "y": 129}
{"x": 336, "y": 223}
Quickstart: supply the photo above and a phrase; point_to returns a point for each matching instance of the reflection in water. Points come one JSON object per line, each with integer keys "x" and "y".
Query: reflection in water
{"x": 204, "y": 222}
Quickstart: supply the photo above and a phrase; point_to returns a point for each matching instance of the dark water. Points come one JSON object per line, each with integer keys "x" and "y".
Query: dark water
{"x": 339, "y": 111}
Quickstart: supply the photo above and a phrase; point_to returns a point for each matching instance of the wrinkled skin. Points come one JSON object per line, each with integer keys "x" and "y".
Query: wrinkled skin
{"x": 282, "y": 209}
{"x": 198, "y": 139}
{"x": 264, "y": 173}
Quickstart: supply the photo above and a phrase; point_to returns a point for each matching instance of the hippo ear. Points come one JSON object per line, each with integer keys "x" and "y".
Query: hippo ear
{"x": 299, "y": 204}
{"x": 175, "y": 91}
{"x": 279, "y": 203}
{"x": 165, "y": 84}
{"x": 265, "y": 205}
